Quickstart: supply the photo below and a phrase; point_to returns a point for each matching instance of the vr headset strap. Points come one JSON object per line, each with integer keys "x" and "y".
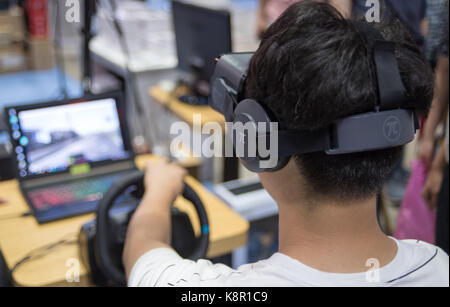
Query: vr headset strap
{"x": 292, "y": 142}
{"x": 391, "y": 90}
{"x": 392, "y": 93}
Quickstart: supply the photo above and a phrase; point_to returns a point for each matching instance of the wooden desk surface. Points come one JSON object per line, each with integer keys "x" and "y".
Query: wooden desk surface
{"x": 185, "y": 111}
{"x": 21, "y": 235}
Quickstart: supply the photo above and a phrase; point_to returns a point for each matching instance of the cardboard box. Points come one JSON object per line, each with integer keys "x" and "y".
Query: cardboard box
{"x": 13, "y": 58}
{"x": 12, "y": 26}
{"x": 41, "y": 54}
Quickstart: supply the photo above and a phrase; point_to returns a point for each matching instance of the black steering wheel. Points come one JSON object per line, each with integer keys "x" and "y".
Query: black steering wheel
{"x": 108, "y": 260}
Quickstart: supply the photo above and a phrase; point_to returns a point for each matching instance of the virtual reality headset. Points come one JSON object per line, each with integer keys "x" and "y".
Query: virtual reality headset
{"x": 388, "y": 125}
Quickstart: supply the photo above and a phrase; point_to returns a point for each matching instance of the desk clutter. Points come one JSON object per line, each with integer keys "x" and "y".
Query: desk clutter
{"x": 32, "y": 236}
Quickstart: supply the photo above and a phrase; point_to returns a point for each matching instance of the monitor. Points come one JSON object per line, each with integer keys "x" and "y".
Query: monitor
{"x": 202, "y": 34}
{"x": 52, "y": 138}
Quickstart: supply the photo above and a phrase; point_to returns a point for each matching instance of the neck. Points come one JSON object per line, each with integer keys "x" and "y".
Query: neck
{"x": 333, "y": 237}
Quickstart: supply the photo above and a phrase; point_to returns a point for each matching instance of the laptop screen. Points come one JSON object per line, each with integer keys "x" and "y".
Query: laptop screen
{"x": 58, "y": 138}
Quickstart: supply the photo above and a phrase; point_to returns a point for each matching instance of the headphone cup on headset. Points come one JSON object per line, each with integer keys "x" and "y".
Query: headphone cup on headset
{"x": 250, "y": 114}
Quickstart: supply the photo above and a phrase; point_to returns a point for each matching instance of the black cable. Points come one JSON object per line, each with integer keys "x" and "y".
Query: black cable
{"x": 87, "y": 80}
{"x": 43, "y": 251}
{"x": 15, "y": 216}
{"x": 127, "y": 55}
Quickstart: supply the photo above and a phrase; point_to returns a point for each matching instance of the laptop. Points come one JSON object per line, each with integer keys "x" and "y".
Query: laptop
{"x": 69, "y": 153}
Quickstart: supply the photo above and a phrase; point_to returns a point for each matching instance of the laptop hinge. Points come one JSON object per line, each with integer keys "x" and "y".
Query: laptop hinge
{"x": 60, "y": 178}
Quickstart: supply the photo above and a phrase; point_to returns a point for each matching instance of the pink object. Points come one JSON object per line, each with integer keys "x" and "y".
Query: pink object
{"x": 415, "y": 220}
{"x": 274, "y": 8}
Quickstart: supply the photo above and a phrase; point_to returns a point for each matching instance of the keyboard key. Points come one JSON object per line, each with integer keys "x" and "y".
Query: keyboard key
{"x": 86, "y": 190}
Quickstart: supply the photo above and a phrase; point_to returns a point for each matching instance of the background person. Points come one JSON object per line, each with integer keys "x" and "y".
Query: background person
{"x": 435, "y": 8}
{"x": 435, "y": 192}
{"x": 412, "y": 14}
{"x": 270, "y": 10}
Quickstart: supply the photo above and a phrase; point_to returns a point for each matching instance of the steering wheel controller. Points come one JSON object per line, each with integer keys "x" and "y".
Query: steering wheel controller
{"x": 102, "y": 240}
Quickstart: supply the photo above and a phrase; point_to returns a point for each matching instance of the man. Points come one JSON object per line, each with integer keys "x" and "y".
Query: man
{"x": 311, "y": 68}
{"x": 412, "y": 13}
{"x": 435, "y": 191}
{"x": 434, "y": 26}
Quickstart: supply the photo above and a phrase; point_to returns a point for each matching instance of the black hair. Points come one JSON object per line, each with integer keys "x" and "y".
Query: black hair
{"x": 312, "y": 67}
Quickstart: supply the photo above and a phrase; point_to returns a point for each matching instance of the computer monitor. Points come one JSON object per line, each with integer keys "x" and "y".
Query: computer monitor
{"x": 53, "y": 137}
{"x": 202, "y": 34}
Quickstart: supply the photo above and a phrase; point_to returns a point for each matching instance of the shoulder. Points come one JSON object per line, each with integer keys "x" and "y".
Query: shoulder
{"x": 422, "y": 249}
{"x": 425, "y": 264}
{"x": 164, "y": 267}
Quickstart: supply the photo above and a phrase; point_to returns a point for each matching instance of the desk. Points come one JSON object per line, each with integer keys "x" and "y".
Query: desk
{"x": 186, "y": 113}
{"x": 19, "y": 236}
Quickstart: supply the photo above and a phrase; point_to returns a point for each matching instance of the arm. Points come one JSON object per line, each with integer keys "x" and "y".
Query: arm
{"x": 150, "y": 226}
{"x": 261, "y": 23}
{"x": 424, "y": 27}
{"x": 343, "y": 6}
{"x": 434, "y": 182}
{"x": 423, "y": 16}
{"x": 437, "y": 111}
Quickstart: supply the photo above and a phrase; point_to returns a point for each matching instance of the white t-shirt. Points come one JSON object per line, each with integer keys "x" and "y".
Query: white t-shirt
{"x": 416, "y": 264}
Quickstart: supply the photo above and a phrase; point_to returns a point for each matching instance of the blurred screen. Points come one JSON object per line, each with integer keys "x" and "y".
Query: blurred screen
{"x": 53, "y": 139}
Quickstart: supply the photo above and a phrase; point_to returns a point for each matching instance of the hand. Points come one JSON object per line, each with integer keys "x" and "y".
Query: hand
{"x": 432, "y": 188}
{"x": 261, "y": 26}
{"x": 164, "y": 181}
{"x": 426, "y": 151}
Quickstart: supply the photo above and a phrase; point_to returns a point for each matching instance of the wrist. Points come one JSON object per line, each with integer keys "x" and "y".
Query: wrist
{"x": 427, "y": 139}
{"x": 158, "y": 200}
{"x": 436, "y": 170}
{"x": 435, "y": 174}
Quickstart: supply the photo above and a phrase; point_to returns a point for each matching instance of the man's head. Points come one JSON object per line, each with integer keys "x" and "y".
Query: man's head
{"x": 314, "y": 67}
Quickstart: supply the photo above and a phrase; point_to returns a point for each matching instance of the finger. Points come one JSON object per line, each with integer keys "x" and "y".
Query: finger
{"x": 428, "y": 201}
{"x": 433, "y": 201}
{"x": 426, "y": 195}
{"x": 148, "y": 167}
{"x": 181, "y": 172}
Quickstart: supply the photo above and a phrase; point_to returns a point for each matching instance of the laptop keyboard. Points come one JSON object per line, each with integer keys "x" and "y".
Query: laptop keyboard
{"x": 80, "y": 191}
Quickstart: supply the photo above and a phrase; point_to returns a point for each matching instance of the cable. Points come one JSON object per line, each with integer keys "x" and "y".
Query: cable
{"x": 86, "y": 31}
{"x": 127, "y": 55}
{"x": 44, "y": 251}
{"x": 112, "y": 8}
{"x": 15, "y": 216}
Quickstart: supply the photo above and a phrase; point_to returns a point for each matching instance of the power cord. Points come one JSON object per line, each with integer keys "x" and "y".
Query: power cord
{"x": 15, "y": 216}
{"x": 45, "y": 250}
